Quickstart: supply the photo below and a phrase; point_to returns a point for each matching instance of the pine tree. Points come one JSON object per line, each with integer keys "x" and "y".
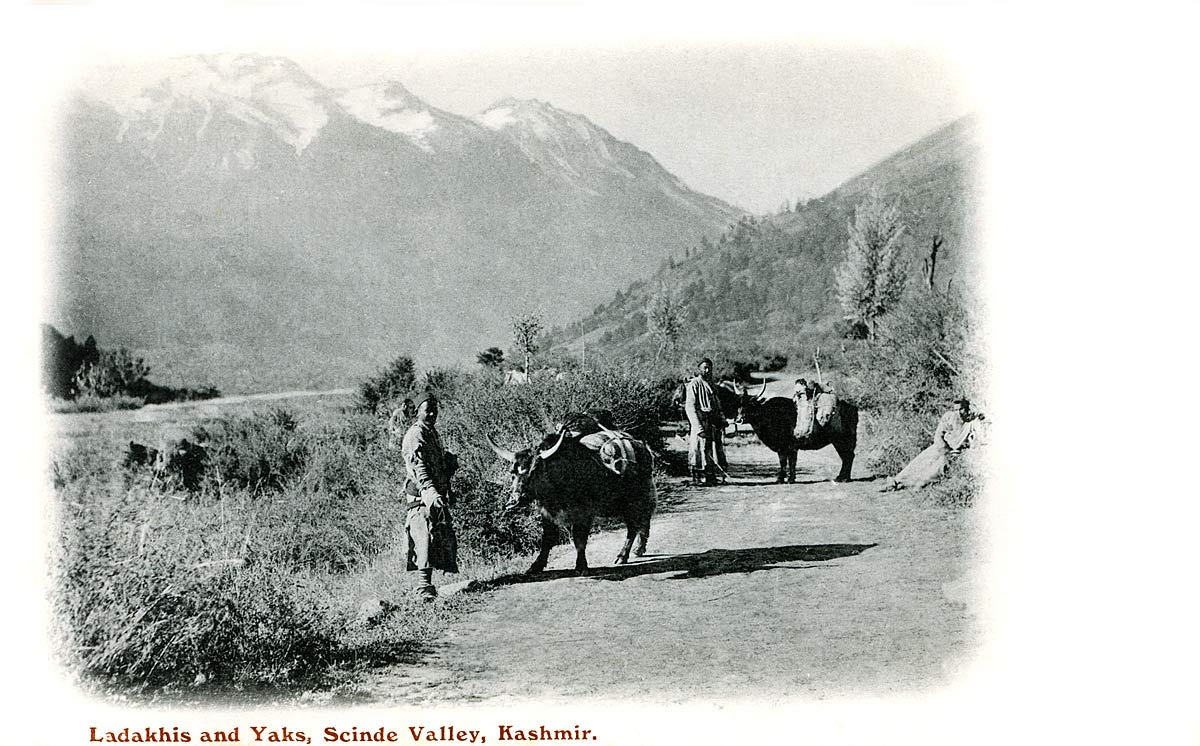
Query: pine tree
{"x": 871, "y": 278}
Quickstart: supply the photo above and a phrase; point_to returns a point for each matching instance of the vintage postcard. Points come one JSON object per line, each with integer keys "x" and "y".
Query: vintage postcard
{"x": 507, "y": 373}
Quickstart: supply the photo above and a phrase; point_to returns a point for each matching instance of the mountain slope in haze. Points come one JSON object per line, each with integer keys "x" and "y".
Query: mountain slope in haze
{"x": 770, "y": 281}
{"x": 243, "y": 225}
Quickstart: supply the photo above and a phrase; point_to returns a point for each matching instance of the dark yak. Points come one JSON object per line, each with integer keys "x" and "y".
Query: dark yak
{"x": 571, "y": 487}
{"x": 138, "y": 455}
{"x": 774, "y": 418}
{"x": 181, "y": 461}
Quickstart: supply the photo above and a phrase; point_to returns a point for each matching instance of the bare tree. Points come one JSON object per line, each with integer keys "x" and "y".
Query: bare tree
{"x": 526, "y": 328}
{"x": 664, "y": 318}
{"x": 872, "y": 276}
{"x": 930, "y": 266}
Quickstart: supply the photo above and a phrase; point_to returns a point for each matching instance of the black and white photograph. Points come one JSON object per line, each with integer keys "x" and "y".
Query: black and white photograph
{"x": 542, "y": 377}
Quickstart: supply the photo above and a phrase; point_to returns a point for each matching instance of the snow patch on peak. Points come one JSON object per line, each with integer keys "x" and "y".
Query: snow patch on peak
{"x": 497, "y": 118}
{"x": 271, "y": 92}
{"x": 541, "y": 120}
{"x": 565, "y": 144}
{"x": 391, "y": 107}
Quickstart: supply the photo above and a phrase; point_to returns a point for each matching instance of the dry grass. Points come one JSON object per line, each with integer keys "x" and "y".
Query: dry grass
{"x": 273, "y": 570}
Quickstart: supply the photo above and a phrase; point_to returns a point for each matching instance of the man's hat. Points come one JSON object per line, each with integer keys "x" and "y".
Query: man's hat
{"x": 963, "y": 400}
{"x": 704, "y": 360}
{"x": 425, "y": 396}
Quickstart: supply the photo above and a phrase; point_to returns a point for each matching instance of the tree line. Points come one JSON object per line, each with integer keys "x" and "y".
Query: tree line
{"x": 75, "y": 372}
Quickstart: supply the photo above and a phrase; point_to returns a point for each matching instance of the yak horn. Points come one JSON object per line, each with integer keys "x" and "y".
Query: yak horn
{"x": 548, "y": 453}
{"x": 503, "y": 453}
{"x": 759, "y": 396}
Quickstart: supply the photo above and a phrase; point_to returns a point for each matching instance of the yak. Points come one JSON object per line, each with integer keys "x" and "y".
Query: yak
{"x": 179, "y": 460}
{"x": 773, "y": 420}
{"x": 139, "y": 455}
{"x": 571, "y": 487}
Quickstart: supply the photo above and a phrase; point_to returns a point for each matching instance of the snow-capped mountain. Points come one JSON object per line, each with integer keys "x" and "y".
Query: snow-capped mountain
{"x": 239, "y": 203}
{"x": 566, "y": 145}
{"x": 392, "y": 107}
{"x": 268, "y": 95}
{"x": 571, "y": 148}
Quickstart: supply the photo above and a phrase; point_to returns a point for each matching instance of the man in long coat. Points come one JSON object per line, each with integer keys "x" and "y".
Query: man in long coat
{"x": 957, "y": 427}
{"x": 706, "y": 451}
{"x": 955, "y": 431}
{"x": 431, "y": 540}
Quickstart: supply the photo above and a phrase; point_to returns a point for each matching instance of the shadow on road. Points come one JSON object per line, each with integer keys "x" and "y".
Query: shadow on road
{"x": 690, "y": 566}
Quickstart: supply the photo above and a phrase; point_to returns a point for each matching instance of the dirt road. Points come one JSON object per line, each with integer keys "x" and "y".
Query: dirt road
{"x": 153, "y": 422}
{"x": 751, "y": 590}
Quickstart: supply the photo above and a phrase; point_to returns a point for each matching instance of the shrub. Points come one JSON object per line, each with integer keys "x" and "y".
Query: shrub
{"x": 346, "y": 503}
{"x": 224, "y": 586}
{"x": 492, "y": 357}
{"x": 442, "y": 381}
{"x": 926, "y": 355}
{"x": 378, "y": 392}
{"x": 259, "y": 452}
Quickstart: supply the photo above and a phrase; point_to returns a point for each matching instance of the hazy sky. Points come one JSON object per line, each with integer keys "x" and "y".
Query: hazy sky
{"x": 754, "y": 124}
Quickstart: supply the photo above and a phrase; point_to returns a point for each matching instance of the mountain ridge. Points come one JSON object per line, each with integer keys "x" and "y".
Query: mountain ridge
{"x": 237, "y": 205}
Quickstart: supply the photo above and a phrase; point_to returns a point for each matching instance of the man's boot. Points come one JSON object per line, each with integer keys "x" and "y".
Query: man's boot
{"x": 425, "y": 587}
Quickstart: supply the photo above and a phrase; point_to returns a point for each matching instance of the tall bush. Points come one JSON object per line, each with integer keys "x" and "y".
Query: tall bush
{"x": 382, "y": 390}
{"x": 259, "y": 452}
{"x": 665, "y": 316}
{"x": 927, "y": 354}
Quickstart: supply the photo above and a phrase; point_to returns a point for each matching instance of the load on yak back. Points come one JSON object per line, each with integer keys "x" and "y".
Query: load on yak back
{"x": 816, "y": 404}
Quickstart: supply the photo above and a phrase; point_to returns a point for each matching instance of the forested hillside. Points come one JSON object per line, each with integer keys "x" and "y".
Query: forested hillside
{"x": 768, "y": 283}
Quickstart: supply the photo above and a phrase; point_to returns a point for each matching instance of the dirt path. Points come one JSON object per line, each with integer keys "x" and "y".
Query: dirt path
{"x": 153, "y": 422}
{"x": 751, "y": 589}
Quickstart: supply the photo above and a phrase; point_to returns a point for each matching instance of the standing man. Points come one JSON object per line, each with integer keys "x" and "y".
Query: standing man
{"x": 706, "y": 452}
{"x": 431, "y": 541}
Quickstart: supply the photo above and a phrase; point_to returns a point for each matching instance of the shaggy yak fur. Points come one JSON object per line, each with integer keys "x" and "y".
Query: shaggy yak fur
{"x": 773, "y": 420}
{"x": 571, "y": 488}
